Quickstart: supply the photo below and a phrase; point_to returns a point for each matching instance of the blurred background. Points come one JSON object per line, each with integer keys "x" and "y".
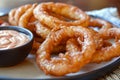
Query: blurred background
{"x": 83, "y": 4}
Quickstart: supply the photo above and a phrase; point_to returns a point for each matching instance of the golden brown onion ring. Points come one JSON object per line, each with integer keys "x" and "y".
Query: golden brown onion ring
{"x": 42, "y": 30}
{"x": 43, "y": 10}
{"x": 35, "y": 47}
{"x": 24, "y": 19}
{"x": 70, "y": 61}
{"x": 108, "y": 51}
{"x": 20, "y": 11}
{"x": 11, "y": 18}
{"x": 100, "y": 23}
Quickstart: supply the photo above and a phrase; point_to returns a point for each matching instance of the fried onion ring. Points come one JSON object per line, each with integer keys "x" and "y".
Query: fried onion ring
{"x": 35, "y": 47}
{"x": 42, "y": 13}
{"x": 11, "y": 18}
{"x": 70, "y": 61}
{"x": 24, "y": 19}
{"x": 109, "y": 51}
{"x": 42, "y": 30}
{"x": 20, "y": 11}
{"x": 101, "y": 24}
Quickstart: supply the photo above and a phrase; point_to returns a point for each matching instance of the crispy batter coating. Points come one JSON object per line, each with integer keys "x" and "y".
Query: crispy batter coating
{"x": 99, "y": 23}
{"x": 11, "y": 18}
{"x": 68, "y": 62}
{"x": 42, "y": 13}
{"x": 109, "y": 51}
{"x": 24, "y": 19}
{"x": 20, "y": 11}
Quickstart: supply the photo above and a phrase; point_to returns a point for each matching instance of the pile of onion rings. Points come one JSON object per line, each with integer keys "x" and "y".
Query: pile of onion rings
{"x": 69, "y": 33}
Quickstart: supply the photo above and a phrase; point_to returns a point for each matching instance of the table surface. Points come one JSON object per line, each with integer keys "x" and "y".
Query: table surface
{"x": 115, "y": 75}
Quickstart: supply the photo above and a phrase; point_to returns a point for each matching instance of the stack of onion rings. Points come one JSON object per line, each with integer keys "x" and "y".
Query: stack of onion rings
{"x": 67, "y": 31}
{"x": 50, "y": 14}
{"x": 101, "y": 24}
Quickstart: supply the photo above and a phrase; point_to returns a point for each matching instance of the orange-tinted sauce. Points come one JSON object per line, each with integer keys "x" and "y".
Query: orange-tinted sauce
{"x": 11, "y": 39}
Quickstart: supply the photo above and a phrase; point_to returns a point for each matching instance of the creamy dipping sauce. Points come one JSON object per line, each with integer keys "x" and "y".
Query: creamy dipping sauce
{"x": 11, "y": 39}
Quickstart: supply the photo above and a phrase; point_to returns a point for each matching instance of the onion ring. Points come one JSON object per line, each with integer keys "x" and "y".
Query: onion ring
{"x": 20, "y": 11}
{"x": 42, "y": 30}
{"x": 24, "y": 19}
{"x": 11, "y": 18}
{"x": 108, "y": 52}
{"x": 42, "y": 13}
{"x": 35, "y": 47}
{"x": 68, "y": 62}
{"x": 102, "y": 24}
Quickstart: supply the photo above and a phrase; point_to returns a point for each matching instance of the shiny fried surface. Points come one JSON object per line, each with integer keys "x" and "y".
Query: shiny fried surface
{"x": 69, "y": 61}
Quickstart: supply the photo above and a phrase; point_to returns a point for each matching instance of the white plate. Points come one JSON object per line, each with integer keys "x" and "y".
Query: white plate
{"x": 29, "y": 70}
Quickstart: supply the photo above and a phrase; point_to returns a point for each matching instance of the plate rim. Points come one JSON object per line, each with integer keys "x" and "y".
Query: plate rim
{"x": 90, "y": 75}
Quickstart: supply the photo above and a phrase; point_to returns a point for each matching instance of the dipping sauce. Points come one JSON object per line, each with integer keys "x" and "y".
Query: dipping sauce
{"x": 11, "y": 39}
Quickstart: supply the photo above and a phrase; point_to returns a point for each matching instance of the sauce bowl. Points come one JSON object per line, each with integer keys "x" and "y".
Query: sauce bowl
{"x": 13, "y": 56}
